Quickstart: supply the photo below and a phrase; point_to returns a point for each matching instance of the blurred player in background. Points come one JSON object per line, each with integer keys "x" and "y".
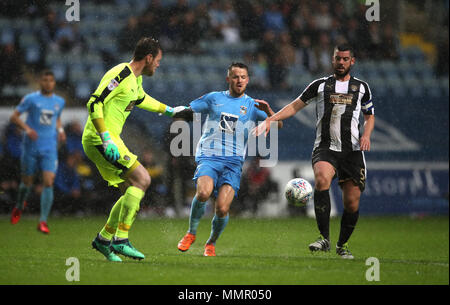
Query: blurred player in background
{"x": 219, "y": 155}
{"x": 118, "y": 92}
{"x": 43, "y": 130}
{"x": 338, "y": 148}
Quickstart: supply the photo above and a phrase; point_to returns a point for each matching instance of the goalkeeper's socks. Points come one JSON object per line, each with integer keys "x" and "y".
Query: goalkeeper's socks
{"x": 197, "y": 210}
{"x": 322, "y": 208}
{"x": 130, "y": 206}
{"x": 348, "y": 223}
{"x": 110, "y": 227}
{"x": 46, "y": 202}
{"x": 22, "y": 195}
{"x": 218, "y": 224}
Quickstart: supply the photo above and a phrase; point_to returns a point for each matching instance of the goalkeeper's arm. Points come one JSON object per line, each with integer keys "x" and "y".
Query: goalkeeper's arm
{"x": 150, "y": 104}
{"x": 95, "y": 108}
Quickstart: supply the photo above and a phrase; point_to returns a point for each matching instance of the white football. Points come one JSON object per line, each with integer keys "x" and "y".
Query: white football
{"x": 298, "y": 191}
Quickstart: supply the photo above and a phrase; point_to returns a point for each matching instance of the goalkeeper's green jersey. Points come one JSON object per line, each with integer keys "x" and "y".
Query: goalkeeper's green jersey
{"x": 117, "y": 94}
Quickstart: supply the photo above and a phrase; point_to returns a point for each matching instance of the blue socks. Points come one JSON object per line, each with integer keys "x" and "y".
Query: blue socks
{"x": 22, "y": 195}
{"x": 197, "y": 210}
{"x": 46, "y": 202}
{"x": 218, "y": 225}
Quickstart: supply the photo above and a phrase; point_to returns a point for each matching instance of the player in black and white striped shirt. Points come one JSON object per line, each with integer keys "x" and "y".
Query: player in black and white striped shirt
{"x": 338, "y": 148}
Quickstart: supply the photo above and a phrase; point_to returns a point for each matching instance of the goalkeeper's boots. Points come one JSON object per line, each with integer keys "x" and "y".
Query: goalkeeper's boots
{"x": 321, "y": 244}
{"x": 104, "y": 247}
{"x": 343, "y": 251}
{"x": 124, "y": 247}
{"x": 186, "y": 242}
{"x": 43, "y": 227}
{"x": 210, "y": 250}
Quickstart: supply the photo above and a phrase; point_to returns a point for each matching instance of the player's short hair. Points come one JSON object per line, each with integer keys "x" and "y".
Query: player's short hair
{"x": 46, "y": 72}
{"x": 145, "y": 46}
{"x": 344, "y": 47}
{"x": 237, "y": 65}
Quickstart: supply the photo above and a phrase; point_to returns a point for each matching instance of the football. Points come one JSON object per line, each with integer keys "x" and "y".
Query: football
{"x": 298, "y": 191}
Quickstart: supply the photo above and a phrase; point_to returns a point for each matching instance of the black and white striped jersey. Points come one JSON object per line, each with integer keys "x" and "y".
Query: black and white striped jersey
{"x": 338, "y": 110}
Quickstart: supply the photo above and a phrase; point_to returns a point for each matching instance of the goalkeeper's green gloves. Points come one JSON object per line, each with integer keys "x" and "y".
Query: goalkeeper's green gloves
{"x": 109, "y": 148}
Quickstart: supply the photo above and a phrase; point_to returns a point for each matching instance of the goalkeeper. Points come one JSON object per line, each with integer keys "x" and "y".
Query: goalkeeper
{"x": 119, "y": 91}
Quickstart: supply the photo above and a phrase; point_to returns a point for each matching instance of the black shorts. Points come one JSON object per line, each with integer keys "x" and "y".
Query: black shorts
{"x": 348, "y": 165}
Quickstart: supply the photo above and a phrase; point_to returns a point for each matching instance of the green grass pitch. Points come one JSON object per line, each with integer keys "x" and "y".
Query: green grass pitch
{"x": 250, "y": 251}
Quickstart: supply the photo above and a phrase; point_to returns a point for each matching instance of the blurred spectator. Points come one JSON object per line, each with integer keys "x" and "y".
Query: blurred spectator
{"x": 179, "y": 9}
{"x": 180, "y": 171}
{"x": 47, "y": 34}
{"x": 224, "y": 21}
{"x": 230, "y": 28}
{"x": 12, "y": 9}
{"x": 159, "y": 14}
{"x": 129, "y": 35}
{"x": 67, "y": 184}
{"x": 10, "y": 65}
{"x": 374, "y": 41}
{"x": 256, "y": 185}
{"x": 322, "y": 17}
{"x": 250, "y": 16}
{"x": 273, "y": 19}
{"x": 10, "y": 165}
{"x": 287, "y": 51}
{"x": 190, "y": 33}
{"x": 74, "y": 132}
{"x": 390, "y": 43}
{"x": 276, "y": 69}
{"x": 305, "y": 57}
{"x": 149, "y": 26}
{"x": 324, "y": 52}
{"x": 203, "y": 20}
{"x": 442, "y": 53}
{"x": 258, "y": 71}
{"x": 68, "y": 38}
{"x": 12, "y": 151}
{"x": 156, "y": 194}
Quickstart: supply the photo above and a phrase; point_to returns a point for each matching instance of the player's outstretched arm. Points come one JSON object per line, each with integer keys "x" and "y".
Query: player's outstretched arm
{"x": 150, "y": 104}
{"x": 285, "y": 113}
{"x": 264, "y": 106}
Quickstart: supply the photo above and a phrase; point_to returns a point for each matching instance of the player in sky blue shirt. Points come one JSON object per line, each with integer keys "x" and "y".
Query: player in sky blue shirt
{"x": 231, "y": 115}
{"x": 42, "y": 130}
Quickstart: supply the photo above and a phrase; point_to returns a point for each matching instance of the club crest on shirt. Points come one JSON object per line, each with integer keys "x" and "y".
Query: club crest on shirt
{"x": 113, "y": 84}
{"x": 243, "y": 110}
{"x": 341, "y": 99}
{"x": 353, "y": 88}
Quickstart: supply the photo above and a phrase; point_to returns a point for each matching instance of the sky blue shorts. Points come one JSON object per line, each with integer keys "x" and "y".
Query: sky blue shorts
{"x": 31, "y": 161}
{"x": 221, "y": 170}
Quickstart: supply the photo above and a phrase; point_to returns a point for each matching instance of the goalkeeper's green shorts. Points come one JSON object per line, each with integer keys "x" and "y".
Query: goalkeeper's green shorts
{"x": 113, "y": 173}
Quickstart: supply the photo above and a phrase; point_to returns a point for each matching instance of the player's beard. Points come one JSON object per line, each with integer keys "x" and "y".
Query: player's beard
{"x": 342, "y": 74}
{"x": 237, "y": 91}
{"x": 44, "y": 91}
{"x": 148, "y": 71}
